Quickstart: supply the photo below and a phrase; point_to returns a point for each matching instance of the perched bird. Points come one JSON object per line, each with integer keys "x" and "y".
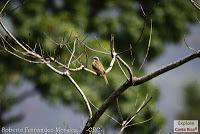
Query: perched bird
{"x": 99, "y": 69}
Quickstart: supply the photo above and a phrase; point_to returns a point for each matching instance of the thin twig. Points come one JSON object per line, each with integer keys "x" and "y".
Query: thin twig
{"x": 21, "y": 45}
{"x": 139, "y": 109}
{"x": 149, "y": 44}
{"x": 99, "y": 44}
{"x": 41, "y": 51}
{"x": 15, "y": 8}
{"x": 74, "y": 48}
{"x": 126, "y": 66}
{"x": 35, "y": 47}
{"x": 131, "y": 54}
{"x": 82, "y": 94}
{"x": 127, "y": 50}
{"x": 27, "y": 45}
{"x": 77, "y": 58}
{"x": 115, "y": 120}
{"x": 94, "y": 50}
{"x": 7, "y": 2}
{"x": 16, "y": 50}
{"x": 112, "y": 44}
{"x": 139, "y": 122}
{"x": 30, "y": 61}
{"x": 111, "y": 63}
{"x": 126, "y": 122}
{"x": 122, "y": 69}
{"x": 20, "y": 57}
{"x": 88, "y": 70}
{"x": 141, "y": 34}
{"x": 189, "y": 47}
{"x": 143, "y": 12}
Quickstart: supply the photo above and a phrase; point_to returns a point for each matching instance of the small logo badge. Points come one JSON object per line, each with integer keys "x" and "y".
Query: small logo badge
{"x": 185, "y": 126}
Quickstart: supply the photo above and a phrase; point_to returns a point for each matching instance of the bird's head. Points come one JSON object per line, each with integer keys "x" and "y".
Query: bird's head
{"x": 96, "y": 58}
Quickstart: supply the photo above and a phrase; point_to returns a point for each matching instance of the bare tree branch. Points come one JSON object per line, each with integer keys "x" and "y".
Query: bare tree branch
{"x": 111, "y": 63}
{"x": 145, "y": 102}
{"x": 4, "y": 7}
{"x": 94, "y": 50}
{"x": 195, "y": 4}
{"x": 122, "y": 69}
{"x": 149, "y": 44}
{"x": 126, "y": 122}
{"x": 126, "y": 66}
{"x": 140, "y": 122}
{"x": 167, "y": 68}
{"x": 189, "y": 47}
{"x": 25, "y": 52}
{"x": 136, "y": 81}
{"x": 82, "y": 94}
{"x": 74, "y": 49}
{"x": 48, "y": 63}
{"x": 21, "y": 45}
{"x": 115, "y": 120}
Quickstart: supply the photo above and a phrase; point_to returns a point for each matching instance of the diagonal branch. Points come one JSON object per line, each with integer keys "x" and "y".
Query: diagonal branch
{"x": 126, "y": 66}
{"x": 94, "y": 50}
{"x": 8, "y": 32}
{"x": 115, "y": 120}
{"x": 111, "y": 63}
{"x": 73, "y": 51}
{"x": 189, "y": 47}
{"x": 82, "y": 94}
{"x": 136, "y": 81}
{"x": 145, "y": 102}
{"x": 47, "y": 62}
{"x": 147, "y": 52}
{"x": 4, "y": 7}
{"x": 126, "y": 122}
{"x": 195, "y": 4}
{"x": 167, "y": 68}
{"x": 18, "y": 43}
{"x": 139, "y": 122}
{"x": 122, "y": 69}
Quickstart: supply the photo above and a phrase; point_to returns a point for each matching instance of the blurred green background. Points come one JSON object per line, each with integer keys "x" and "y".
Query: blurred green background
{"x": 50, "y": 21}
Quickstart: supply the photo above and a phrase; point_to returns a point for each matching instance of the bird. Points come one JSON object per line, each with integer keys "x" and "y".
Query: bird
{"x": 99, "y": 69}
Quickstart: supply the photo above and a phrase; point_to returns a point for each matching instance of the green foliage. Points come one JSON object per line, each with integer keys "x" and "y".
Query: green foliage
{"x": 191, "y": 103}
{"x": 46, "y": 22}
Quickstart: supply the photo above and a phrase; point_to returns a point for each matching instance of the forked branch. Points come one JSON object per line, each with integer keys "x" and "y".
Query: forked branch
{"x": 136, "y": 81}
{"x": 196, "y": 4}
{"x": 27, "y": 52}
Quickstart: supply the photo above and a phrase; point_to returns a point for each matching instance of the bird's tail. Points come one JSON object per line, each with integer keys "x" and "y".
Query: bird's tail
{"x": 106, "y": 80}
